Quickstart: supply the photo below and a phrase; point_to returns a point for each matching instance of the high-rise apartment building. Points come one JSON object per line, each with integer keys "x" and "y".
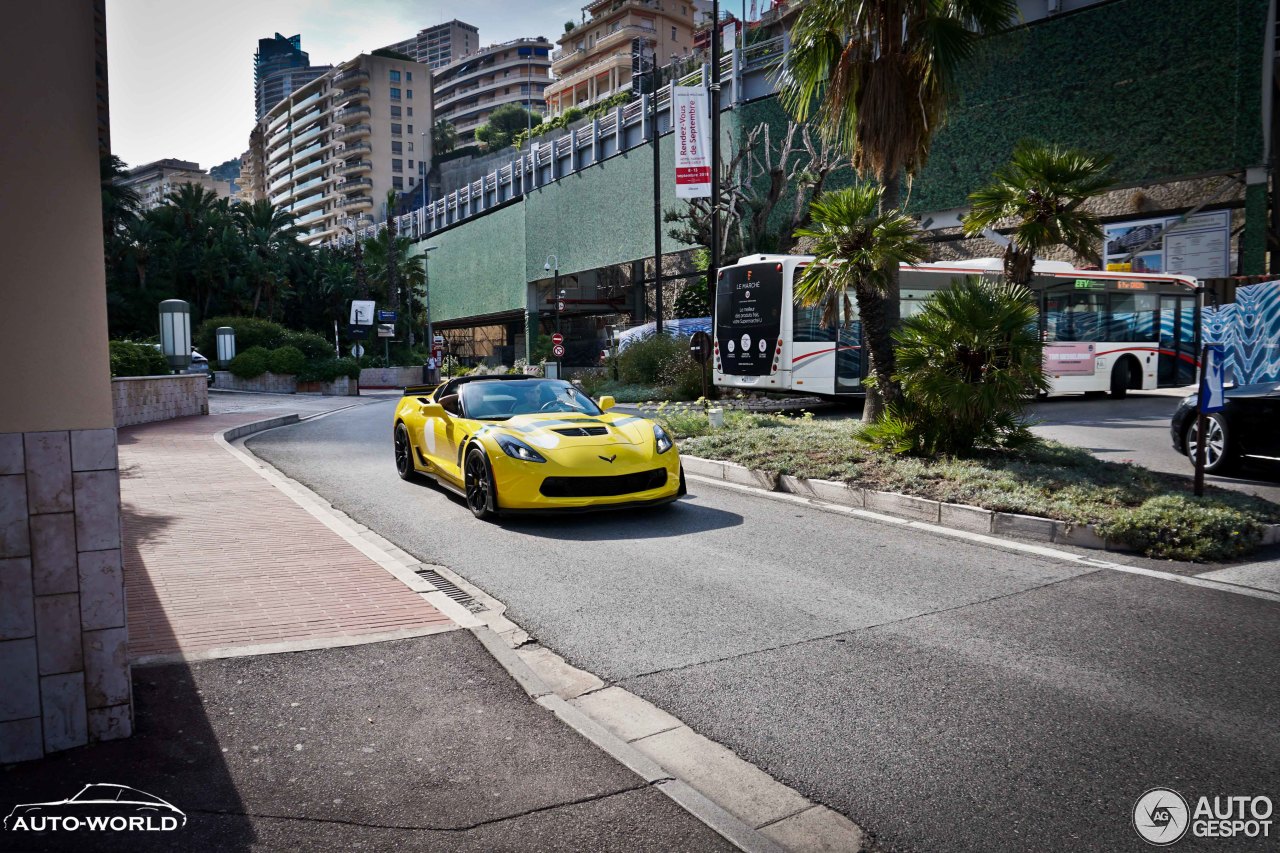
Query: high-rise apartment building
{"x": 595, "y": 57}
{"x": 514, "y": 72}
{"x": 279, "y": 67}
{"x": 332, "y": 149}
{"x": 440, "y": 45}
{"x": 154, "y": 182}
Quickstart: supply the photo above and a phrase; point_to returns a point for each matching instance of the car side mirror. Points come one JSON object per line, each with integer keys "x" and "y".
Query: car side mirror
{"x": 431, "y": 410}
{"x": 607, "y": 403}
{"x": 449, "y": 403}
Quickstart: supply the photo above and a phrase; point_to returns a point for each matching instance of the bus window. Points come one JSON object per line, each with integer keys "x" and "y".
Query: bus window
{"x": 807, "y": 326}
{"x": 912, "y": 301}
{"x": 1133, "y": 318}
{"x": 1074, "y": 316}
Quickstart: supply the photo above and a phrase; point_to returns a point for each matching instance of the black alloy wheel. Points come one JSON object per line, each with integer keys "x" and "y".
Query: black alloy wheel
{"x": 404, "y": 454}
{"x": 479, "y": 479}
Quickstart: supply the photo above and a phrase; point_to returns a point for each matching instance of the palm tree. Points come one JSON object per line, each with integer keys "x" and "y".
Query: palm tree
{"x": 877, "y": 76}
{"x": 120, "y": 204}
{"x": 858, "y": 245}
{"x": 1041, "y": 190}
{"x": 444, "y": 137}
{"x": 269, "y": 235}
{"x": 967, "y": 363}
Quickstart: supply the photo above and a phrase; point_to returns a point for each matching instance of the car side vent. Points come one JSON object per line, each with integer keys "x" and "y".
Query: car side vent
{"x": 583, "y": 431}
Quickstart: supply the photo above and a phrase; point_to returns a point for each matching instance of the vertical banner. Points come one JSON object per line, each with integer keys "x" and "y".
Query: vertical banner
{"x": 693, "y": 145}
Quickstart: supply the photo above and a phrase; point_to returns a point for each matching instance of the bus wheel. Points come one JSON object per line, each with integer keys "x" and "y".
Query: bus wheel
{"x": 1120, "y": 375}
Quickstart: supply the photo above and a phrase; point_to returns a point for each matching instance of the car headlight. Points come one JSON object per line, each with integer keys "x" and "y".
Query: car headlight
{"x": 517, "y": 449}
{"x": 664, "y": 440}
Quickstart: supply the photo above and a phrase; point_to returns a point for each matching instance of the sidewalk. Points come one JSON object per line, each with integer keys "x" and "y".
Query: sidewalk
{"x": 375, "y": 725}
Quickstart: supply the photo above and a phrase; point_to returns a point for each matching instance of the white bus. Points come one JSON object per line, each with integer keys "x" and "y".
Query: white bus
{"x": 1103, "y": 331}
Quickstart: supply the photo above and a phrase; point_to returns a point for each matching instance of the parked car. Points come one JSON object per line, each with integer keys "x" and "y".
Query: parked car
{"x": 200, "y": 364}
{"x": 1249, "y": 425}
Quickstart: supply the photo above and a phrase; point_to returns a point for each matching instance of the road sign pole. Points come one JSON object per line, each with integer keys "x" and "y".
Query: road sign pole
{"x": 1202, "y": 425}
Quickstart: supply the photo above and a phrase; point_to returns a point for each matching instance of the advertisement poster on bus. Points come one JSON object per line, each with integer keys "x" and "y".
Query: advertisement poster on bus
{"x": 693, "y": 151}
{"x": 748, "y": 318}
{"x": 1069, "y": 359}
{"x": 1199, "y": 247}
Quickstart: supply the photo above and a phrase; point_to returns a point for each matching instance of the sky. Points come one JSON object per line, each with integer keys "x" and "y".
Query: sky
{"x": 181, "y": 71}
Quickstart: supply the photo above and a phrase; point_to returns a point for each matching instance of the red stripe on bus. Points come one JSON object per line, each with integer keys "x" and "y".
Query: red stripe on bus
{"x": 821, "y": 352}
{"x": 1157, "y": 350}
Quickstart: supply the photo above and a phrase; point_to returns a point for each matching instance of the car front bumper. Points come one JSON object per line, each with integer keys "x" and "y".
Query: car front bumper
{"x": 519, "y": 484}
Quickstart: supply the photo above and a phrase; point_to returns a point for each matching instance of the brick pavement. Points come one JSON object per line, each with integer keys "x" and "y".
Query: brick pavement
{"x": 215, "y": 557}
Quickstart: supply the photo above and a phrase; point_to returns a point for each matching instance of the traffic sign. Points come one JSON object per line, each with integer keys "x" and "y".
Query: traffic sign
{"x": 700, "y": 347}
{"x": 560, "y": 305}
{"x": 439, "y": 340}
{"x": 385, "y": 316}
{"x": 386, "y": 331}
{"x": 354, "y": 331}
{"x": 438, "y": 353}
{"x": 557, "y": 338}
{"x": 357, "y": 351}
{"x": 558, "y": 351}
{"x": 1212, "y": 376}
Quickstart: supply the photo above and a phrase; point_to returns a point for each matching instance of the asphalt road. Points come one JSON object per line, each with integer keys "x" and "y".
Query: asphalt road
{"x": 944, "y": 696}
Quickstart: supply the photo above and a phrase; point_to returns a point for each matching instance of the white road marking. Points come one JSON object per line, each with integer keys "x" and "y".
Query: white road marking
{"x": 991, "y": 541}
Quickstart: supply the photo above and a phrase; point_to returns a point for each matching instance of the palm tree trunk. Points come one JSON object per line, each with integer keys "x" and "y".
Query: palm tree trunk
{"x": 880, "y": 314}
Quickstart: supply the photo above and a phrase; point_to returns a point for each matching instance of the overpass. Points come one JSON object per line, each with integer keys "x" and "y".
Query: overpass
{"x": 1171, "y": 119}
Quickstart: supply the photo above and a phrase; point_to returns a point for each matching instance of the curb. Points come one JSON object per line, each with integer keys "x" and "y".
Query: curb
{"x": 970, "y": 519}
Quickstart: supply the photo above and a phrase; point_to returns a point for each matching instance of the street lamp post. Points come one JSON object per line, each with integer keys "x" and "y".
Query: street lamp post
{"x": 657, "y": 191}
{"x": 553, "y": 266}
{"x": 426, "y": 286}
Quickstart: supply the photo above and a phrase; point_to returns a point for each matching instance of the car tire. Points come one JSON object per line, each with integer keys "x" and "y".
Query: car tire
{"x": 1120, "y": 379}
{"x": 684, "y": 488}
{"x": 1219, "y": 452}
{"x": 481, "y": 495}
{"x": 404, "y": 453}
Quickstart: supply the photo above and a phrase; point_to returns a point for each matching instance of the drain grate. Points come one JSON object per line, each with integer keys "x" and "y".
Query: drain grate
{"x": 450, "y": 589}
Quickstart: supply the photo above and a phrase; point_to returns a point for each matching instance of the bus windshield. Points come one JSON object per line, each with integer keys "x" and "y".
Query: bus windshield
{"x": 749, "y": 317}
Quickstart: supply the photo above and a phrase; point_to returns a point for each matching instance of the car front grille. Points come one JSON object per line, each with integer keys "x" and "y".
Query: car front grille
{"x": 603, "y": 487}
{"x": 583, "y": 431}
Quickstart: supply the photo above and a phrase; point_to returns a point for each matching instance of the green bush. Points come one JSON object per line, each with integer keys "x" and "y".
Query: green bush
{"x": 250, "y": 332}
{"x": 1172, "y": 527}
{"x": 649, "y": 361}
{"x": 327, "y": 370}
{"x": 129, "y": 358}
{"x": 313, "y": 346}
{"x": 253, "y": 362}
{"x": 286, "y": 359}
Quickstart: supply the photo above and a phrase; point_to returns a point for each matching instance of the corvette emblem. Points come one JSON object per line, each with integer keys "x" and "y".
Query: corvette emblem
{"x": 609, "y": 458}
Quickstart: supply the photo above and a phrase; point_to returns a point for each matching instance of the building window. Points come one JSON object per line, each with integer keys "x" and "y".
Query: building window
{"x": 395, "y": 93}
{"x": 408, "y": 76}
{"x": 395, "y": 76}
{"x": 411, "y": 180}
{"x": 411, "y": 130}
{"x": 408, "y": 93}
{"x": 397, "y": 183}
{"x": 395, "y": 111}
{"x": 673, "y": 33}
{"x": 410, "y": 109}
{"x": 397, "y": 165}
{"x": 396, "y": 148}
{"x": 395, "y": 129}
{"x": 410, "y": 146}
{"x": 410, "y": 165}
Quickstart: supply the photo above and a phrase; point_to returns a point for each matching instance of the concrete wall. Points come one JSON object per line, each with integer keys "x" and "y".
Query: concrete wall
{"x": 63, "y": 640}
{"x": 390, "y": 377}
{"x": 143, "y": 399}
{"x": 269, "y": 383}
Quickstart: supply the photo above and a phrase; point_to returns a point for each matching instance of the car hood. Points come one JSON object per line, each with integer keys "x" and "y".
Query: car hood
{"x": 551, "y": 431}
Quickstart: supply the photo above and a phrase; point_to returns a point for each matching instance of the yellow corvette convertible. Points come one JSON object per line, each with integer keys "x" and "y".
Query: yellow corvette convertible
{"x": 523, "y": 444}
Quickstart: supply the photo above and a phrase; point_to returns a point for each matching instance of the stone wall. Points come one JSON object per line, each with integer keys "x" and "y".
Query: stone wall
{"x": 63, "y": 641}
{"x": 268, "y": 383}
{"x": 143, "y": 399}
{"x": 390, "y": 377}
{"x": 343, "y": 386}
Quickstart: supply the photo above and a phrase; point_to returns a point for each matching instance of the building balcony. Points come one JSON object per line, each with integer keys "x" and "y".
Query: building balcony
{"x": 599, "y": 13}
{"x": 353, "y": 75}
{"x": 348, "y": 152}
{"x": 308, "y": 169}
{"x": 302, "y": 206}
{"x": 303, "y": 138}
{"x": 620, "y": 60}
{"x": 279, "y": 184}
{"x": 355, "y": 131}
{"x": 356, "y": 202}
{"x": 309, "y": 218}
{"x": 354, "y": 184}
{"x": 299, "y": 106}
{"x": 351, "y": 95}
{"x": 564, "y": 60}
{"x": 355, "y": 167}
{"x": 351, "y": 114}
{"x": 293, "y": 193}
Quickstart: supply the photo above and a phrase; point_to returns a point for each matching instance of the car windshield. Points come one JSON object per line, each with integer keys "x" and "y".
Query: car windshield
{"x": 498, "y": 401}
{"x": 98, "y": 792}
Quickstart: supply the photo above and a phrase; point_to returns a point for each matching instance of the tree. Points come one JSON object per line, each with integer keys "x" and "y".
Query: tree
{"x": 877, "y": 77}
{"x": 269, "y": 236}
{"x": 967, "y": 363}
{"x": 120, "y": 204}
{"x": 858, "y": 245}
{"x": 569, "y": 25}
{"x": 444, "y": 137}
{"x": 503, "y": 124}
{"x": 1041, "y": 190}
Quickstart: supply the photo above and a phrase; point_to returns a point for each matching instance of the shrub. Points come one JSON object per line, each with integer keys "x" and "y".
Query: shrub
{"x": 327, "y": 370}
{"x": 250, "y": 332}
{"x": 252, "y": 362}
{"x": 650, "y": 360}
{"x": 313, "y": 346}
{"x": 967, "y": 363}
{"x": 1174, "y": 527}
{"x": 286, "y": 359}
{"x": 129, "y": 358}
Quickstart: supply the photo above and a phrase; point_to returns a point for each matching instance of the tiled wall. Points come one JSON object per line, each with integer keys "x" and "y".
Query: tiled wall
{"x": 63, "y": 642}
{"x": 143, "y": 399}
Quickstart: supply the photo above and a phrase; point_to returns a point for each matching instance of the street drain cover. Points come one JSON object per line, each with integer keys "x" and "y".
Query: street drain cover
{"x": 450, "y": 589}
